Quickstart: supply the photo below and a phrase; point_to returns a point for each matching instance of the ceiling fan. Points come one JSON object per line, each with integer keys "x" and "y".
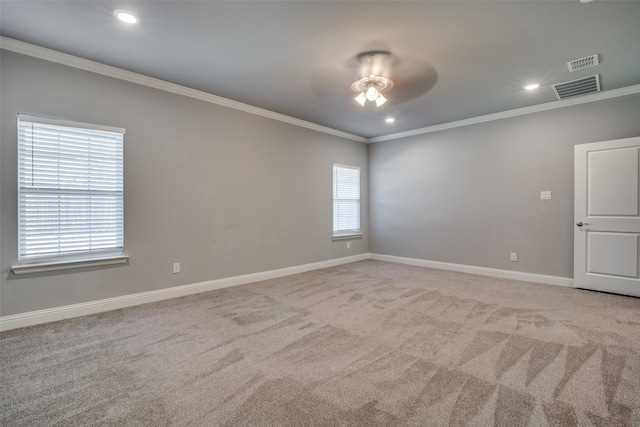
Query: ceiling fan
{"x": 372, "y": 83}
{"x": 380, "y": 76}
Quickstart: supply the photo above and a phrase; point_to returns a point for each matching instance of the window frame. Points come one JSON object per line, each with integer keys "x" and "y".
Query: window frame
{"x": 76, "y": 182}
{"x": 346, "y": 233}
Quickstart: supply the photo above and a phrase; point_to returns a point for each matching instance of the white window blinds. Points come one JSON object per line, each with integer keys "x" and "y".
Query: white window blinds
{"x": 346, "y": 200}
{"x": 70, "y": 190}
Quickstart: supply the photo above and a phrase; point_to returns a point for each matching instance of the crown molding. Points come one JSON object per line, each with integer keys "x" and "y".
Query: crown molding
{"x": 614, "y": 93}
{"x": 118, "y": 73}
{"x": 51, "y": 55}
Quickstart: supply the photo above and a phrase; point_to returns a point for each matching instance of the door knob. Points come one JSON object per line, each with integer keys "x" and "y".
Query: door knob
{"x": 580, "y": 224}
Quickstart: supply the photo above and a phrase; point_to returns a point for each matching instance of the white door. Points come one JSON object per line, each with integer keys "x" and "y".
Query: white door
{"x": 607, "y": 216}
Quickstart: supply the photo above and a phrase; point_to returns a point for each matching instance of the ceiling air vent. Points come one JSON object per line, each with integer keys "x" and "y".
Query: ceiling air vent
{"x": 586, "y": 62}
{"x": 577, "y": 87}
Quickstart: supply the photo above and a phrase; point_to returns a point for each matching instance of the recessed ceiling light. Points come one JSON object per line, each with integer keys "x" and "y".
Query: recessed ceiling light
{"x": 389, "y": 120}
{"x": 126, "y": 16}
{"x": 532, "y": 86}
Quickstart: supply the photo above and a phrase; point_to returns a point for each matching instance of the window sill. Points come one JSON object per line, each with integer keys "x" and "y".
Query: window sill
{"x": 346, "y": 236}
{"x": 66, "y": 265}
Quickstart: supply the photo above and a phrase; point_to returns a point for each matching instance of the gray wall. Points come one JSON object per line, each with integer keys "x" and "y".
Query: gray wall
{"x": 221, "y": 191}
{"x": 471, "y": 195}
{"x": 227, "y": 193}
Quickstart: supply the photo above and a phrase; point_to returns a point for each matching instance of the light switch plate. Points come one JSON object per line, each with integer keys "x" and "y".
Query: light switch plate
{"x": 545, "y": 195}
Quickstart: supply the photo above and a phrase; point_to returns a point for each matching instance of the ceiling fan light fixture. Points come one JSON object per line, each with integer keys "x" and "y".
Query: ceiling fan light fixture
{"x": 372, "y": 93}
{"x": 370, "y": 89}
{"x": 361, "y": 98}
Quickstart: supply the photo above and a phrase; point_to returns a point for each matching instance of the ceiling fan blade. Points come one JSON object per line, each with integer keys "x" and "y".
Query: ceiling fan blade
{"x": 412, "y": 78}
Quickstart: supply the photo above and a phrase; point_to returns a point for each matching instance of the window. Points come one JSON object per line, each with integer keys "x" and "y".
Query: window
{"x": 70, "y": 191}
{"x": 346, "y": 201}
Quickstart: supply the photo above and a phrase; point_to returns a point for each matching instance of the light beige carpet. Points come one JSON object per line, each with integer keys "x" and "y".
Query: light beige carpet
{"x": 365, "y": 344}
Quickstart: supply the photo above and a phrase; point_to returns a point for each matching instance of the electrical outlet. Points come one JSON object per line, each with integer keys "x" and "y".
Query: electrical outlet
{"x": 514, "y": 256}
{"x": 545, "y": 195}
{"x": 176, "y": 267}
{"x": 348, "y": 245}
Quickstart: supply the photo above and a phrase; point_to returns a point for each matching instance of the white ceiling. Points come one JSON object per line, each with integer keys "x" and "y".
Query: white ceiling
{"x": 453, "y": 60}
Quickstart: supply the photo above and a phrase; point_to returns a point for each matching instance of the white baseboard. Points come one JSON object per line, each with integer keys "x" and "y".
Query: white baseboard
{"x": 92, "y": 307}
{"x": 482, "y": 271}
